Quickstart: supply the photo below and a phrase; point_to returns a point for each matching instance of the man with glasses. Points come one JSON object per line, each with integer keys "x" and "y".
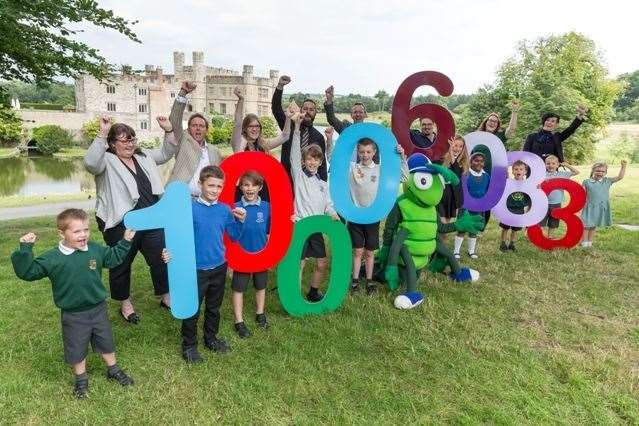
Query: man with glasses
{"x": 193, "y": 152}
{"x": 426, "y": 137}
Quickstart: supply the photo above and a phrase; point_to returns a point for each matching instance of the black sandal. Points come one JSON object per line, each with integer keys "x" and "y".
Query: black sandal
{"x": 133, "y": 318}
{"x": 164, "y": 305}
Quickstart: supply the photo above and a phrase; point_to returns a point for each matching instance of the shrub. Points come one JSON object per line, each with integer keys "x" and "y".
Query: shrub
{"x": 50, "y": 138}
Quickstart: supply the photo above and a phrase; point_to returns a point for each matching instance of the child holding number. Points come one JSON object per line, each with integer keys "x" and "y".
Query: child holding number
{"x": 456, "y": 159}
{"x": 254, "y": 236}
{"x": 211, "y": 220}
{"x": 477, "y": 184}
{"x": 363, "y": 180}
{"x": 311, "y": 198}
{"x": 517, "y": 202}
{"x": 597, "y": 210}
{"x": 556, "y": 197}
{"x": 74, "y": 268}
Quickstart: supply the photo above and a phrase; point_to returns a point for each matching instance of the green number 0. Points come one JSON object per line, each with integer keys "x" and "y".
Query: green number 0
{"x": 288, "y": 271}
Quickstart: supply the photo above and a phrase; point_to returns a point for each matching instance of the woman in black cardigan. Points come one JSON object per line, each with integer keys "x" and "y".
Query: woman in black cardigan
{"x": 546, "y": 142}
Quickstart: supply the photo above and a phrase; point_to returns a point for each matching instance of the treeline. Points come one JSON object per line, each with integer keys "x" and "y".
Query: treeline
{"x": 55, "y": 93}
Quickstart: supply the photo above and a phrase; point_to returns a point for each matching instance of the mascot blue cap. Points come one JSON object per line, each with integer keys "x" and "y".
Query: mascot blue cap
{"x": 418, "y": 162}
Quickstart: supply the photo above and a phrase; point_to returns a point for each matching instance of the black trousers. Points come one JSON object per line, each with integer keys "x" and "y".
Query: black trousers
{"x": 150, "y": 243}
{"x": 210, "y": 288}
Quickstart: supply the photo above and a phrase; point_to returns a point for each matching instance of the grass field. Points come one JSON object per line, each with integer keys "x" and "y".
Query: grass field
{"x": 543, "y": 337}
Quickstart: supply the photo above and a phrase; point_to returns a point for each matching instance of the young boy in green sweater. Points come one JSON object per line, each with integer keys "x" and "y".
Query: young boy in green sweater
{"x": 75, "y": 271}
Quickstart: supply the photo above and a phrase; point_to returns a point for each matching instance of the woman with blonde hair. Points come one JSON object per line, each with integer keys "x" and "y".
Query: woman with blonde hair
{"x": 456, "y": 159}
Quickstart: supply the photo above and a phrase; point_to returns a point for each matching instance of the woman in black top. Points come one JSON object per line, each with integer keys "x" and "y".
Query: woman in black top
{"x": 546, "y": 141}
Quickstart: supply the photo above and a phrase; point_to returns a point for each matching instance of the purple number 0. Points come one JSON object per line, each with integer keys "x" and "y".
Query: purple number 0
{"x": 530, "y": 186}
{"x": 497, "y": 171}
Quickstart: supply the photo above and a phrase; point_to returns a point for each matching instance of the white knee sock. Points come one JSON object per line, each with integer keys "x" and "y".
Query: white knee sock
{"x": 458, "y": 243}
{"x": 472, "y": 243}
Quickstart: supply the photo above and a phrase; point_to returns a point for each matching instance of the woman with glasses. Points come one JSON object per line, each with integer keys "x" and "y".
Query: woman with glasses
{"x": 247, "y": 136}
{"x": 127, "y": 178}
{"x": 492, "y": 124}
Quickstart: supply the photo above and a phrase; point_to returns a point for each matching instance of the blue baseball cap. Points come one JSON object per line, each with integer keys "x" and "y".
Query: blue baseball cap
{"x": 418, "y": 162}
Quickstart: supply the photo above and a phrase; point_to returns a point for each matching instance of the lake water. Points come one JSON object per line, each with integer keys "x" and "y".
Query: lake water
{"x": 45, "y": 175}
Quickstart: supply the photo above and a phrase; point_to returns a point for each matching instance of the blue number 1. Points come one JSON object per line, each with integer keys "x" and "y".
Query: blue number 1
{"x": 173, "y": 213}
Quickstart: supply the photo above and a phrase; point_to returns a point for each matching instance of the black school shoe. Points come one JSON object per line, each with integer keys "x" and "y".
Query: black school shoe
{"x": 217, "y": 345}
{"x": 191, "y": 355}
{"x": 371, "y": 289}
{"x": 260, "y": 319}
{"x": 503, "y": 247}
{"x": 81, "y": 389}
{"x": 121, "y": 377}
{"x": 314, "y": 296}
{"x": 242, "y": 330}
{"x": 511, "y": 246}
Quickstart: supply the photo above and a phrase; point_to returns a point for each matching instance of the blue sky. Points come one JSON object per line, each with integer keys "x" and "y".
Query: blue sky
{"x": 363, "y": 46}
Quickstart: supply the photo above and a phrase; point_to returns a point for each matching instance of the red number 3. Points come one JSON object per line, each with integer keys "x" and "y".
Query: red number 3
{"x": 402, "y": 115}
{"x": 574, "y": 226}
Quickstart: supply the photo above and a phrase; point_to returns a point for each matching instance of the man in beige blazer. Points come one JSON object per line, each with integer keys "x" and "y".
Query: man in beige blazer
{"x": 193, "y": 153}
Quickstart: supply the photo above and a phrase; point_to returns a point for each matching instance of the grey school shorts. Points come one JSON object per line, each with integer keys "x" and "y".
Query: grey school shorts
{"x": 81, "y": 328}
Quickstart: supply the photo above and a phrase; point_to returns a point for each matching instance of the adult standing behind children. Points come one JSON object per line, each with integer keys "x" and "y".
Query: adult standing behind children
{"x": 309, "y": 135}
{"x": 492, "y": 124}
{"x": 426, "y": 136}
{"x": 546, "y": 141}
{"x": 358, "y": 112}
{"x": 127, "y": 178}
{"x": 247, "y": 136}
{"x": 193, "y": 152}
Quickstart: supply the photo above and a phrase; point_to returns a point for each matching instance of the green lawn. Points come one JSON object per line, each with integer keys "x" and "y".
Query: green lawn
{"x": 543, "y": 337}
{"x": 32, "y": 200}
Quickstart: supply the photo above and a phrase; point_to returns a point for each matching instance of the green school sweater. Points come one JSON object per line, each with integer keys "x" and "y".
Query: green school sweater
{"x": 76, "y": 279}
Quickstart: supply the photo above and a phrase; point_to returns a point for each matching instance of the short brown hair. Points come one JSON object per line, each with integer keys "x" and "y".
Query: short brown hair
{"x": 211, "y": 172}
{"x": 519, "y": 163}
{"x": 68, "y": 215}
{"x": 313, "y": 151}
{"x": 198, "y": 115}
{"x": 253, "y": 177}
{"x": 367, "y": 142}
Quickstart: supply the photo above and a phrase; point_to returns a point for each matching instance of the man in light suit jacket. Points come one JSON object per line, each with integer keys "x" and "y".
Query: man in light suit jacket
{"x": 193, "y": 153}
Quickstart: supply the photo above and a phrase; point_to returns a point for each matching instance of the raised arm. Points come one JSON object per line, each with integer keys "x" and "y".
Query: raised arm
{"x": 622, "y": 172}
{"x": 273, "y": 143}
{"x": 512, "y": 124}
{"x": 94, "y": 158}
{"x": 296, "y": 148}
{"x": 568, "y": 131}
{"x": 238, "y": 143}
{"x": 330, "y": 111}
{"x": 25, "y": 266}
{"x": 573, "y": 170}
{"x": 177, "y": 110}
{"x": 276, "y": 101}
{"x": 169, "y": 146}
{"x": 328, "y": 134}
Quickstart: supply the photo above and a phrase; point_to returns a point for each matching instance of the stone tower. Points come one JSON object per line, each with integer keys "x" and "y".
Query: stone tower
{"x": 178, "y": 64}
{"x": 198, "y": 97}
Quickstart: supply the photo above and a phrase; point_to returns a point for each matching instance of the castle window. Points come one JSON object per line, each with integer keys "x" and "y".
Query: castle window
{"x": 142, "y": 92}
{"x": 211, "y": 107}
{"x": 110, "y": 106}
{"x": 222, "y": 108}
{"x": 190, "y": 108}
{"x": 142, "y": 108}
{"x": 172, "y": 94}
{"x": 144, "y": 125}
{"x": 110, "y": 89}
{"x": 263, "y": 93}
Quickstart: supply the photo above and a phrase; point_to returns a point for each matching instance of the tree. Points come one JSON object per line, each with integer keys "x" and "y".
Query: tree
{"x": 10, "y": 126}
{"x": 555, "y": 74}
{"x": 90, "y": 129}
{"x": 269, "y": 129}
{"x": 382, "y": 98}
{"x": 43, "y": 92}
{"x": 630, "y": 94}
{"x": 37, "y": 43}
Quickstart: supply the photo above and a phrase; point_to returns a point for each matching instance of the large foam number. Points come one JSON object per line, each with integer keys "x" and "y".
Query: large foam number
{"x": 389, "y": 174}
{"x": 538, "y": 198}
{"x": 173, "y": 213}
{"x": 281, "y": 200}
{"x": 574, "y": 225}
{"x": 288, "y": 271}
{"x": 403, "y": 115}
{"x": 498, "y": 172}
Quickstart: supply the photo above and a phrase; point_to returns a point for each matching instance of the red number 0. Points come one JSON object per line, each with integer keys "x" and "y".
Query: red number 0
{"x": 403, "y": 115}
{"x": 574, "y": 226}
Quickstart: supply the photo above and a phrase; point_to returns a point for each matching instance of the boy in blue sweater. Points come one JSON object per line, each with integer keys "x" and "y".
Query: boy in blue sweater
{"x": 211, "y": 220}
{"x": 253, "y": 239}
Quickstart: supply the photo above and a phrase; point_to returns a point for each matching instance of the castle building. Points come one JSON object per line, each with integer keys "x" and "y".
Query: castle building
{"x": 137, "y": 98}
